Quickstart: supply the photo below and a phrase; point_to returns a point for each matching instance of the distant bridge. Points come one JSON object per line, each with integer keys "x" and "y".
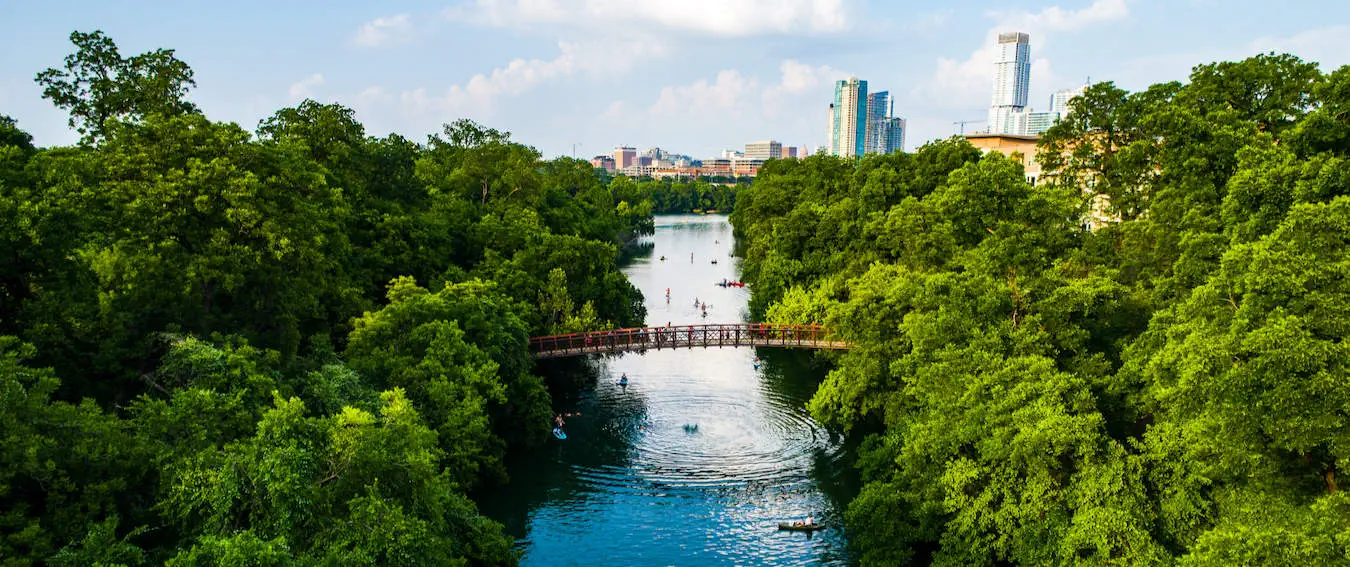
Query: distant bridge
{"x": 685, "y": 336}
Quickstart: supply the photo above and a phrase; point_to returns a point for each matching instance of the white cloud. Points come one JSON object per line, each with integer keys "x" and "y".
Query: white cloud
{"x": 478, "y": 95}
{"x": 968, "y": 83}
{"x": 798, "y": 79}
{"x": 737, "y": 18}
{"x": 731, "y": 92}
{"x": 1329, "y": 46}
{"x": 1055, "y": 18}
{"x": 385, "y": 31}
{"x": 304, "y": 88}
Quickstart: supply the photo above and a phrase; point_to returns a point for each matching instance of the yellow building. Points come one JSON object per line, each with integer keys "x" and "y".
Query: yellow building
{"x": 1020, "y": 148}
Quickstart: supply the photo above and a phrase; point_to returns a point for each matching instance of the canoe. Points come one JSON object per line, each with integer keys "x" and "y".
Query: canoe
{"x": 789, "y": 527}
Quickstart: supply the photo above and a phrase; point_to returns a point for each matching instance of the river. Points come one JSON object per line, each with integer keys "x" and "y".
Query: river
{"x": 632, "y": 485}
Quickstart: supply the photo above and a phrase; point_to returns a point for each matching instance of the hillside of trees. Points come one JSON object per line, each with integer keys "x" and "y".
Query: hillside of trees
{"x": 298, "y": 345}
{"x": 669, "y": 196}
{"x": 1170, "y": 388}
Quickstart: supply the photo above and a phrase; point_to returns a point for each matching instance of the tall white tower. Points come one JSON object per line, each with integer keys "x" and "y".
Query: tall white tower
{"x": 1012, "y": 83}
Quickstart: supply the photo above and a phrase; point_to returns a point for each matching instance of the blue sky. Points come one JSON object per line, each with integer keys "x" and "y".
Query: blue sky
{"x": 692, "y": 76}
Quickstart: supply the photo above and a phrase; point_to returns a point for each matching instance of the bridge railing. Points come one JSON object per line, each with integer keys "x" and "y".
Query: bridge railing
{"x": 675, "y": 336}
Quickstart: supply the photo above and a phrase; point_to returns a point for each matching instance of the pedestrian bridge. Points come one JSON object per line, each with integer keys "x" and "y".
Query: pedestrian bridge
{"x": 685, "y": 336}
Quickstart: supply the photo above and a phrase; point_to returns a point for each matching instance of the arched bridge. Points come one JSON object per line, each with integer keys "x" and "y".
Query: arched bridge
{"x": 684, "y": 336}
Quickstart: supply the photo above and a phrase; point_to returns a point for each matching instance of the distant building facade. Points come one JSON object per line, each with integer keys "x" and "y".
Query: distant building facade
{"x": 625, "y": 157}
{"x": 603, "y": 162}
{"x": 1008, "y": 112}
{"x": 885, "y": 132}
{"x": 848, "y": 118}
{"x": 1012, "y": 84}
{"x": 1019, "y": 147}
{"x": 762, "y": 150}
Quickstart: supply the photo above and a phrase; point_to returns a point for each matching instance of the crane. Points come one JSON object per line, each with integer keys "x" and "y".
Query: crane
{"x": 962, "y": 124}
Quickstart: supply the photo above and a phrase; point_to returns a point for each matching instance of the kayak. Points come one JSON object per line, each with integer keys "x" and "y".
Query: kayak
{"x": 789, "y": 527}
{"x": 559, "y": 433}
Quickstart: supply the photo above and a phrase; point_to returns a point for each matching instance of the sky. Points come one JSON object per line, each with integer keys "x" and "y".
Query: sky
{"x": 578, "y": 77}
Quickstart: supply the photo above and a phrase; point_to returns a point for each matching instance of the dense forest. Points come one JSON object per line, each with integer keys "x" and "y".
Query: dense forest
{"x": 1139, "y": 360}
{"x": 670, "y": 196}
{"x": 300, "y": 345}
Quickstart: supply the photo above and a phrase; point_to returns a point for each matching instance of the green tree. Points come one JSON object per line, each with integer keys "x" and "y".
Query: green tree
{"x": 98, "y": 84}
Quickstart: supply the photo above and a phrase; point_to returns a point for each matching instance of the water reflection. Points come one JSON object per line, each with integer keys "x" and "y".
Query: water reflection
{"x": 700, "y": 456}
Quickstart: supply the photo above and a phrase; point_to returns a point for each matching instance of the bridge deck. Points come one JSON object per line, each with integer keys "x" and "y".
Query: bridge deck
{"x": 684, "y": 336}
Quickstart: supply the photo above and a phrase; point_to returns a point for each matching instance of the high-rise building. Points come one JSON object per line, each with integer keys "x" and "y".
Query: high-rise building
{"x": 895, "y": 136}
{"x": 1012, "y": 83}
{"x": 1061, "y": 100}
{"x": 790, "y": 152}
{"x": 848, "y": 117}
{"x": 885, "y": 132}
{"x": 766, "y": 149}
{"x": 625, "y": 156}
{"x": 878, "y": 114}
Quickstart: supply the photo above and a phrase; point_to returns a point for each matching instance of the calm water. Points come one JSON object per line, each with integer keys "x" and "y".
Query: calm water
{"x": 633, "y": 486}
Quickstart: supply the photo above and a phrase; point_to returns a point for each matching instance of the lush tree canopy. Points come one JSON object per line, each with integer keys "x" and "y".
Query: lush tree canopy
{"x": 1140, "y": 360}
{"x": 302, "y": 345}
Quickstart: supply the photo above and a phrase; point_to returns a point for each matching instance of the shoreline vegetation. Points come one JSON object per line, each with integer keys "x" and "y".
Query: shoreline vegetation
{"x": 299, "y": 345}
{"x": 1139, "y": 360}
{"x": 307, "y": 345}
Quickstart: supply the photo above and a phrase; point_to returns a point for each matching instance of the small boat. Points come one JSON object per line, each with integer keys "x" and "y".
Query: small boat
{"x": 789, "y": 526}
{"x": 559, "y": 433}
{"x": 714, "y": 261}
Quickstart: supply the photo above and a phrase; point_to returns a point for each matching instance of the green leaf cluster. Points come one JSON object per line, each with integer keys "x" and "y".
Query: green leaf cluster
{"x": 302, "y": 345}
{"x": 1141, "y": 359}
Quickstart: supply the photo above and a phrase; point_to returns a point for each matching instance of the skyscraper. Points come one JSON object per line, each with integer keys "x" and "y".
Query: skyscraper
{"x": 1012, "y": 82}
{"x": 1062, "y": 99}
{"x": 885, "y": 133}
{"x": 895, "y": 136}
{"x": 848, "y": 117}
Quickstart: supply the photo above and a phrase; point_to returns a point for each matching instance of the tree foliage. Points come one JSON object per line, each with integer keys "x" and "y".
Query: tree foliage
{"x": 1140, "y": 360}
{"x": 302, "y": 345}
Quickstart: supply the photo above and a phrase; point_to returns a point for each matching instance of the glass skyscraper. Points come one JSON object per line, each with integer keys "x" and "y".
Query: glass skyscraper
{"x": 848, "y": 118}
{"x": 885, "y": 133}
{"x": 1012, "y": 83}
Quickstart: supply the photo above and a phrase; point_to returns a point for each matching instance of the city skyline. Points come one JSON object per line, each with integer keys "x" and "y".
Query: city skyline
{"x": 585, "y": 74}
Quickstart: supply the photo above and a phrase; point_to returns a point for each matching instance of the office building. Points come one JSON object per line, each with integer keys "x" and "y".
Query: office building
{"x": 1060, "y": 101}
{"x": 625, "y": 156}
{"x": 885, "y": 132}
{"x": 1036, "y": 123}
{"x": 1012, "y": 83}
{"x": 790, "y": 152}
{"x": 894, "y": 141}
{"x": 848, "y": 117}
{"x": 762, "y": 150}
{"x": 878, "y": 116}
{"x": 603, "y": 162}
